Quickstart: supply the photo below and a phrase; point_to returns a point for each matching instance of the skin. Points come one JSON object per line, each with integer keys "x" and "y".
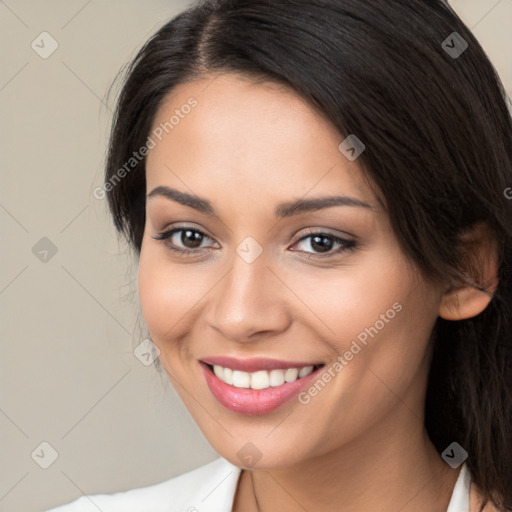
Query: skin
{"x": 361, "y": 441}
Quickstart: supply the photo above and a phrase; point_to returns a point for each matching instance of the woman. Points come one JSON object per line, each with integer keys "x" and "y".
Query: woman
{"x": 318, "y": 196}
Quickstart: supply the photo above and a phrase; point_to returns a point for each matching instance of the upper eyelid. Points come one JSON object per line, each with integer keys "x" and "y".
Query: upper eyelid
{"x": 176, "y": 229}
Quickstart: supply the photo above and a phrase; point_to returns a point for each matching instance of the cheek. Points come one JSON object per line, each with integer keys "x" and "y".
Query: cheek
{"x": 162, "y": 294}
{"x": 393, "y": 354}
{"x": 348, "y": 302}
{"x": 382, "y": 319}
{"x": 154, "y": 294}
{"x": 162, "y": 307}
{"x": 169, "y": 296}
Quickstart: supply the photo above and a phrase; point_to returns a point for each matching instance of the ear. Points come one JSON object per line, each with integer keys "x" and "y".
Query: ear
{"x": 480, "y": 250}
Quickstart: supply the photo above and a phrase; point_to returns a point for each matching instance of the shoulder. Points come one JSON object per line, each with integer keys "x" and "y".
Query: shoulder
{"x": 187, "y": 492}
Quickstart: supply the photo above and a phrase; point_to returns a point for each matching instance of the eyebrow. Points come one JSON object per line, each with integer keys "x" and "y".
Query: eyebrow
{"x": 286, "y": 209}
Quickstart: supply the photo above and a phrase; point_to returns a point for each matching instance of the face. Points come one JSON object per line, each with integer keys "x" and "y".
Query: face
{"x": 306, "y": 286}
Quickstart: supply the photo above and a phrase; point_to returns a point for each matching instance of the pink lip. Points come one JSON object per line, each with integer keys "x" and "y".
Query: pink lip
{"x": 252, "y": 402}
{"x": 256, "y": 364}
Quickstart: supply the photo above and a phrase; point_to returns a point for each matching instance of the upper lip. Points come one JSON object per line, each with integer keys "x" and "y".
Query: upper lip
{"x": 256, "y": 364}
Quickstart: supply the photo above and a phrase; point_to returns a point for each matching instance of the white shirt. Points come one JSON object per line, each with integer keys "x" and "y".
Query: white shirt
{"x": 209, "y": 488}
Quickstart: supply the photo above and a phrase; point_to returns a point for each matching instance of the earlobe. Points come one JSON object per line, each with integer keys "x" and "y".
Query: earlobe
{"x": 467, "y": 301}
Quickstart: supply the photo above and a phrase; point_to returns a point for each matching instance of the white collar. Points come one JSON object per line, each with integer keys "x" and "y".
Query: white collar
{"x": 459, "y": 501}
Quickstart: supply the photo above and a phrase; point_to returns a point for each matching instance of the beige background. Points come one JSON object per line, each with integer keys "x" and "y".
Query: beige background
{"x": 68, "y": 325}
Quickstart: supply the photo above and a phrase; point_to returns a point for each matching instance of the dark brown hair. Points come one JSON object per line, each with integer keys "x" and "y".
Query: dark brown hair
{"x": 438, "y": 139}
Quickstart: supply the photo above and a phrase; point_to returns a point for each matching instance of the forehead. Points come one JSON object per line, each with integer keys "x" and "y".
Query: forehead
{"x": 248, "y": 139}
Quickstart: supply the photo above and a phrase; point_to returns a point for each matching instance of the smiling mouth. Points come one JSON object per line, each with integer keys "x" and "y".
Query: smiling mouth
{"x": 261, "y": 391}
{"x": 261, "y": 379}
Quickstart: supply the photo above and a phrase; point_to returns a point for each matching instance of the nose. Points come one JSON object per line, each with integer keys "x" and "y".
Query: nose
{"x": 249, "y": 302}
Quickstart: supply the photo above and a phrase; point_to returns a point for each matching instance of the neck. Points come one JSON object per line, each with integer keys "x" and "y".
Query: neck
{"x": 387, "y": 469}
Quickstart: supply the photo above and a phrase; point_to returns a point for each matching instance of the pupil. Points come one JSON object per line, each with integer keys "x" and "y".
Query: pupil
{"x": 194, "y": 237}
{"x": 320, "y": 246}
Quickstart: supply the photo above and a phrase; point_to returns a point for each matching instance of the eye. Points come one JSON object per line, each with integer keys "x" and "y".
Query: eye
{"x": 324, "y": 242}
{"x": 191, "y": 239}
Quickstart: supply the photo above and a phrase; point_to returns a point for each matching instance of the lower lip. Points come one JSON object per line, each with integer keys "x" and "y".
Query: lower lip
{"x": 252, "y": 402}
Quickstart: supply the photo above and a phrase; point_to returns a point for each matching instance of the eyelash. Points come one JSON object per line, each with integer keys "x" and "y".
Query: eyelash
{"x": 348, "y": 245}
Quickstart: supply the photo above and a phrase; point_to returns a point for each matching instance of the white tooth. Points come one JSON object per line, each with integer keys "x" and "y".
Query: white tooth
{"x": 291, "y": 374}
{"x": 241, "y": 379}
{"x": 228, "y": 376}
{"x": 305, "y": 371}
{"x": 259, "y": 380}
{"x": 276, "y": 377}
